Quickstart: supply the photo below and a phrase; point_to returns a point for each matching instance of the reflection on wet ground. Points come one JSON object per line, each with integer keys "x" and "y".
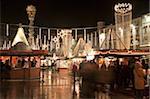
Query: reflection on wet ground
{"x": 53, "y": 86}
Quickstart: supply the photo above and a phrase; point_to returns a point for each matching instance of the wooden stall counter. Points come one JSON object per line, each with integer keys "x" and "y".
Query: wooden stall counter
{"x": 22, "y": 73}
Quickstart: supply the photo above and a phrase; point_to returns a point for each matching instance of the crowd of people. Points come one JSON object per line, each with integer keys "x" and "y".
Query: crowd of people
{"x": 26, "y": 63}
{"x": 20, "y": 63}
{"x": 128, "y": 73}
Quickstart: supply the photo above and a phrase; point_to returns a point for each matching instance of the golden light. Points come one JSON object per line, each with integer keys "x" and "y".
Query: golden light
{"x": 123, "y": 7}
{"x": 147, "y": 18}
{"x": 20, "y": 37}
{"x": 101, "y": 61}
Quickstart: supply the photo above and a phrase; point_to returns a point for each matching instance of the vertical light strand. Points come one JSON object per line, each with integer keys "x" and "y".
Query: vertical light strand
{"x": 48, "y": 44}
{"x": 95, "y": 38}
{"x": 112, "y": 39}
{"x": 4, "y": 45}
{"x": 92, "y": 38}
{"x": 122, "y": 33}
{"x": 88, "y": 38}
{"x": 44, "y": 39}
{"x": 37, "y": 42}
{"x": 99, "y": 39}
{"x": 9, "y": 44}
{"x": 76, "y": 34}
{"x": 134, "y": 37}
{"x": 40, "y": 30}
{"x": 148, "y": 31}
{"x": 85, "y": 35}
{"x": 40, "y": 43}
{"x": 104, "y": 40}
{"x": 49, "y": 34}
{"x": 7, "y": 30}
{"x": 107, "y": 39}
{"x": 51, "y": 43}
{"x": 57, "y": 32}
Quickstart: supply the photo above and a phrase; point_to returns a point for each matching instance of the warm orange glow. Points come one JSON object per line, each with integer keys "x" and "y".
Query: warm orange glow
{"x": 101, "y": 61}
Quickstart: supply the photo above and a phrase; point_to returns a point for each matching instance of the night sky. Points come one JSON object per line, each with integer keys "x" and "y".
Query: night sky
{"x": 67, "y": 13}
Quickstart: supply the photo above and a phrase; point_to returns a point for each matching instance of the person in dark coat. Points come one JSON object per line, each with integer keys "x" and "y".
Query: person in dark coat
{"x": 1, "y": 65}
{"x": 89, "y": 77}
{"x": 7, "y": 66}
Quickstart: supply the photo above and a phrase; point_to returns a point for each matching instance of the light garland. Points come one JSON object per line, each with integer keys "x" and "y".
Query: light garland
{"x": 123, "y": 7}
{"x": 55, "y": 39}
{"x": 61, "y": 34}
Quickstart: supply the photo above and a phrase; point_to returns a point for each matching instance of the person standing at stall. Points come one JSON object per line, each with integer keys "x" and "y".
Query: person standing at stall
{"x": 139, "y": 80}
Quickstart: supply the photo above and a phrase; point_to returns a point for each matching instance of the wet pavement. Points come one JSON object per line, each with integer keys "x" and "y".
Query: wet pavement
{"x": 50, "y": 86}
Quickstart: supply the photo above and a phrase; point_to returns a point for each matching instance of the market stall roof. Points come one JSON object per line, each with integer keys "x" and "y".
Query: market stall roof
{"x": 21, "y": 46}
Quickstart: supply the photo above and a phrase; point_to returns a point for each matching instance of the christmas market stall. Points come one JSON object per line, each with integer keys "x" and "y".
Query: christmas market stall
{"x": 20, "y": 61}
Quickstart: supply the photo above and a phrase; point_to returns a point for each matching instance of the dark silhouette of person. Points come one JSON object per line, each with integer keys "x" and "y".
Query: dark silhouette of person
{"x": 131, "y": 68}
{"x": 23, "y": 62}
{"x": 19, "y": 64}
{"x": 33, "y": 62}
{"x": 7, "y": 66}
{"x": 1, "y": 65}
{"x": 89, "y": 75}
